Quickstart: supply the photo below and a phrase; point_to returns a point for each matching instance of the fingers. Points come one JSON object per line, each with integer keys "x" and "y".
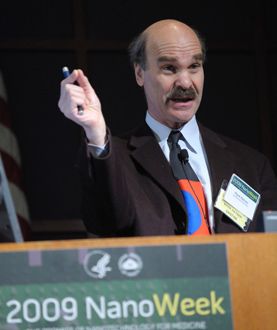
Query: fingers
{"x": 72, "y": 95}
{"x": 78, "y": 77}
{"x": 77, "y": 86}
{"x": 82, "y": 80}
{"x": 84, "y": 83}
{"x": 77, "y": 91}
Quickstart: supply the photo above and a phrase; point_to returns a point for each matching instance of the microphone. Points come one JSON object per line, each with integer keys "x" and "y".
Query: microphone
{"x": 184, "y": 156}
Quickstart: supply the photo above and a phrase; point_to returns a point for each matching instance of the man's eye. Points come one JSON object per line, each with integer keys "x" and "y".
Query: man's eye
{"x": 169, "y": 68}
{"x": 195, "y": 66}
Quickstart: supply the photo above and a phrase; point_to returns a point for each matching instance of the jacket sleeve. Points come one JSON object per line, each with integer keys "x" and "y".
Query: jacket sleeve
{"x": 106, "y": 197}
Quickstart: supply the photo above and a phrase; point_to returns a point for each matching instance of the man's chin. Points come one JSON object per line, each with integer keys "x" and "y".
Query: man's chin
{"x": 179, "y": 118}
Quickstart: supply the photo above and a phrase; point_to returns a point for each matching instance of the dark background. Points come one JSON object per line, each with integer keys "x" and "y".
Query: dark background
{"x": 38, "y": 38}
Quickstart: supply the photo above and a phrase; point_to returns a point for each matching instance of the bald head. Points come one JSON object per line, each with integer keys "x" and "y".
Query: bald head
{"x": 160, "y": 34}
{"x": 165, "y": 26}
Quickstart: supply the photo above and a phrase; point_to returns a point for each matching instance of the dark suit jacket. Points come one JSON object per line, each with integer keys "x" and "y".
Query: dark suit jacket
{"x": 132, "y": 192}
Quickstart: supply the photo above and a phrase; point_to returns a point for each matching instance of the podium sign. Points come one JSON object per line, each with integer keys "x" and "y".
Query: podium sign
{"x": 169, "y": 287}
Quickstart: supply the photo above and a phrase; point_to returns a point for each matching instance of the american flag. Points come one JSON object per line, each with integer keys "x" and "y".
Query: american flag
{"x": 12, "y": 163}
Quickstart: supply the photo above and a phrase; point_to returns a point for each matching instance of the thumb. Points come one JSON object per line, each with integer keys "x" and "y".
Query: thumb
{"x": 84, "y": 83}
{"x": 82, "y": 80}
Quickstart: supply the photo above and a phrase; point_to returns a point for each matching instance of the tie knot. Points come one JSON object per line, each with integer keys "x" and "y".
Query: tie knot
{"x": 174, "y": 136}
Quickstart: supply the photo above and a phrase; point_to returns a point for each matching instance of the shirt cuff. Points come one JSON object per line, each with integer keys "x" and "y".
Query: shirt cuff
{"x": 98, "y": 151}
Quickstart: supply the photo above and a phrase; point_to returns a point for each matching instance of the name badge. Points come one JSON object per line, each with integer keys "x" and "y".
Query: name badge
{"x": 241, "y": 196}
{"x": 236, "y": 216}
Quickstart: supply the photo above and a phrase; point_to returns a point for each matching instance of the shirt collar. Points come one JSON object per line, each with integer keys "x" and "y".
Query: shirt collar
{"x": 191, "y": 135}
{"x": 190, "y": 131}
{"x": 161, "y": 131}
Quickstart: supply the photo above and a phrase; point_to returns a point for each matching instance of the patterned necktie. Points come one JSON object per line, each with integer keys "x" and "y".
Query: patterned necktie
{"x": 191, "y": 187}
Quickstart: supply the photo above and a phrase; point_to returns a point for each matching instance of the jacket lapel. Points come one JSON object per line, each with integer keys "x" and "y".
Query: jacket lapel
{"x": 221, "y": 163}
{"x": 147, "y": 153}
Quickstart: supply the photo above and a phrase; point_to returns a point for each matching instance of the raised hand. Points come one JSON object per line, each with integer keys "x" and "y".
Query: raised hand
{"x": 76, "y": 90}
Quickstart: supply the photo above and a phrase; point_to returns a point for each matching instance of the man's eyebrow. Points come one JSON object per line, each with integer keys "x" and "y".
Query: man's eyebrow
{"x": 167, "y": 59}
{"x": 198, "y": 57}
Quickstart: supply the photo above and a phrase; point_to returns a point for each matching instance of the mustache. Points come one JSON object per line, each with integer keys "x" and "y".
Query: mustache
{"x": 181, "y": 93}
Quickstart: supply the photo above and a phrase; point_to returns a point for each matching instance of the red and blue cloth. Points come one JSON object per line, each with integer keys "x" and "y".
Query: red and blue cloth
{"x": 191, "y": 188}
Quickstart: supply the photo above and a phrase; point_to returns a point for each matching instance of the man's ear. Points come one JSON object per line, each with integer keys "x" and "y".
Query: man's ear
{"x": 139, "y": 72}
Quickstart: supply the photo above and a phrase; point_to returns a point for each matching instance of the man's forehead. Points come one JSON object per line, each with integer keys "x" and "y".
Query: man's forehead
{"x": 175, "y": 52}
{"x": 173, "y": 43}
{"x": 175, "y": 58}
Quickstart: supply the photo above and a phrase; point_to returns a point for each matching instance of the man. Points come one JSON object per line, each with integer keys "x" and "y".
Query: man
{"x": 128, "y": 185}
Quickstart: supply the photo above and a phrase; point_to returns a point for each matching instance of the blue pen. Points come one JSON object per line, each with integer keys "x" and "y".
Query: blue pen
{"x": 66, "y": 73}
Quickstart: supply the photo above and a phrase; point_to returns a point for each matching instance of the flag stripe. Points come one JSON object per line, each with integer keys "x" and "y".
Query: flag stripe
{"x": 8, "y": 143}
{"x": 13, "y": 171}
{"x": 21, "y": 203}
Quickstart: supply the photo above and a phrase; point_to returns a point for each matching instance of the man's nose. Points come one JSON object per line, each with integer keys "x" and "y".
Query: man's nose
{"x": 183, "y": 80}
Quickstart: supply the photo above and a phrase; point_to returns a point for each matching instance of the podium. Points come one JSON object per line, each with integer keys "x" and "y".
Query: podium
{"x": 251, "y": 260}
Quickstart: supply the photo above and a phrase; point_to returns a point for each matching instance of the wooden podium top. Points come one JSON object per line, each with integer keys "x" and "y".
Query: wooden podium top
{"x": 252, "y": 263}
